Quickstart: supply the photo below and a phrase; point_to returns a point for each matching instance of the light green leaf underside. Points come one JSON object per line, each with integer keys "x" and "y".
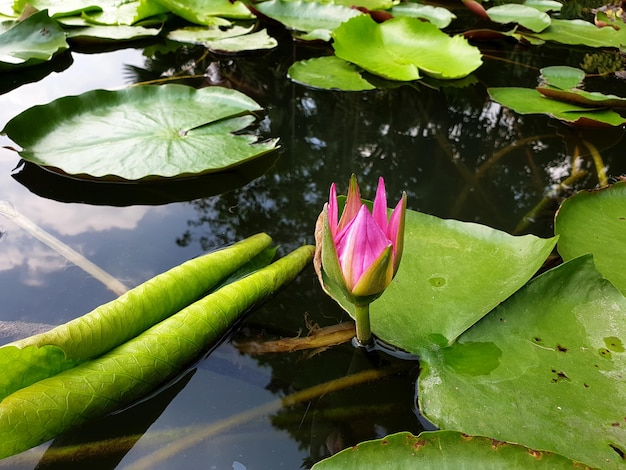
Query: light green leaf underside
{"x": 550, "y": 357}
{"x": 399, "y": 48}
{"x": 595, "y": 222}
{"x": 117, "y": 321}
{"x": 40, "y": 411}
{"x": 144, "y": 131}
{"x": 452, "y": 274}
{"x": 329, "y": 73}
{"x": 441, "y": 450}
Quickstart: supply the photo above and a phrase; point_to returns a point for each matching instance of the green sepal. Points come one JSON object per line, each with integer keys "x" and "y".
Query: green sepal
{"x": 376, "y": 278}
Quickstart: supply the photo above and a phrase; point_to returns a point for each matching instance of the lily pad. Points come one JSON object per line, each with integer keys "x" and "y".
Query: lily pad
{"x": 329, "y": 73}
{"x": 549, "y": 358}
{"x": 456, "y": 273}
{"x": 439, "y": 16}
{"x": 524, "y": 15}
{"x": 584, "y": 98}
{"x": 204, "y": 11}
{"x": 58, "y": 8}
{"x": 579, "y": 32}
{"x": 562, "y": 76}
{"x": 595, "y": 222}
{"x": 441, "y": 450}
{"x": 32, "y": 41}
{"x": 544, "y": 5}
{"x": 307, "y": 16}
{"x": 233, "y": 39}
{"x": 530, "y": 101}
{"x": 146, "y": 131}
{"x": 399, "y": 48}
{"x": 111, "y": 33}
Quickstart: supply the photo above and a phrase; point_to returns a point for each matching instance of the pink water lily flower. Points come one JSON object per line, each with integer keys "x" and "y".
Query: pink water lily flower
{"x": 368, "y": 244}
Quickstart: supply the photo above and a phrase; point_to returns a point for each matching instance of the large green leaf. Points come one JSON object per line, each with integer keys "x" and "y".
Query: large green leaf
{"x": 31, "y": 41}
{"x": 531, "y": 101}
{"x": 140, "y": 132}
{"x": 36, "y": 357}
{"x": 595, "y": 222}
{"x": 545, "y": 369}
{"x": 451, "y": 275}
{"x": 204, "y": 11}
{"x": 40, "y": 411}
{"x": 526, "y": 16}
{"x": 399, "y": 48}
{"x": 307, "y": 16}
{"x": 59, "y": 8}
{"x": 441, "y": 450}
{"x": 329, "y": 72}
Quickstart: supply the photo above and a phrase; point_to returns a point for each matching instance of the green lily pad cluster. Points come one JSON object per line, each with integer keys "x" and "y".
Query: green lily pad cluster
{"x": 560, "y": 97}
{"x": 536, "y": 367}
{"x": 44, "y": 27}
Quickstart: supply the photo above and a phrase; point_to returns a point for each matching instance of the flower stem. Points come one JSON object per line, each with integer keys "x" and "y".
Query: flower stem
{"x": 363, "y": 331}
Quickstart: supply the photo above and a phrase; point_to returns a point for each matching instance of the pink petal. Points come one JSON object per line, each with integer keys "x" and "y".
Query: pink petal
{"x": 395, "y": 230}
{"x": 380, "y": 205}
{"x": 353, "y": 204}
{"x": 360, "y": 245}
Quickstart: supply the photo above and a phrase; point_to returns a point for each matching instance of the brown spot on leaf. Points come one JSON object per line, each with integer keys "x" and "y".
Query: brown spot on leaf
{"x": 384, "y": 442}
{"x": 535, "y": 453}
{"x": 561, "y": 348}
{"x": 417, "y": 445}
{"x": 619, "y": 451}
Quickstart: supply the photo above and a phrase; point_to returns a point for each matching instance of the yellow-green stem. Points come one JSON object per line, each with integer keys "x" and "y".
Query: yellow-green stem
{"x": 363, "y": 330}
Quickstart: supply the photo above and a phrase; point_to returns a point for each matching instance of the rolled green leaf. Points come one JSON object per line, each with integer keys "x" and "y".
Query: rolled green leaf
{"x": 26, "y": 361}
{"x": 40, "y": 411}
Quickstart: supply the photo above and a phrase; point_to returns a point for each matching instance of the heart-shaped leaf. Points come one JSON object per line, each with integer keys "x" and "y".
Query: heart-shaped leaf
{"x": 439, "y": 16}
{"x": 140, "y": 132}
{"x": 579, "y": 32}
{"x": 595, "y": 222}
{"x": 545, "y": 369}
{"x": 562, "y": 76}
{"x": 399, "y": 48}
{"x": 451, "y": 275}
{"x": 329, "y": 72}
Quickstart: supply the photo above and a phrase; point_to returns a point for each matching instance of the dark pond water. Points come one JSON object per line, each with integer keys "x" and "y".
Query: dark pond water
{"x": 456, "y": 153}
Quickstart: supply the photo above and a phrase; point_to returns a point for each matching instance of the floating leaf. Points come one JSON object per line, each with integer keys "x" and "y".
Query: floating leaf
{"x": 204, "y": 11}
{"x": 233, "y": 39}
{"x": 545, "y": 370}
{"x": 439, "y": 16}
{"x": 369, "y": 4}
{"x": 58, "y": 8}
{"x": 595, "y": 222}
{"x": 145, "y": 131}
{"x": 456, "y": 272}
{"x": 441, "y": 450}
{"x": 525, "y": 16}
{"x": 584, "y": 98}
{"x": 329, "y": 73}
{"x": 562, "y": 76}
{"x": 31, "y": 41}
{"x": 398, "y": 48}
{"x": 529, "y": 101}
{"x": 127, "y": 13}
{"x": 579, "y": 32}
{"x": 111, "y": 33}
{"x": 307, "y": 16}
{"x": 544, "y": 5}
